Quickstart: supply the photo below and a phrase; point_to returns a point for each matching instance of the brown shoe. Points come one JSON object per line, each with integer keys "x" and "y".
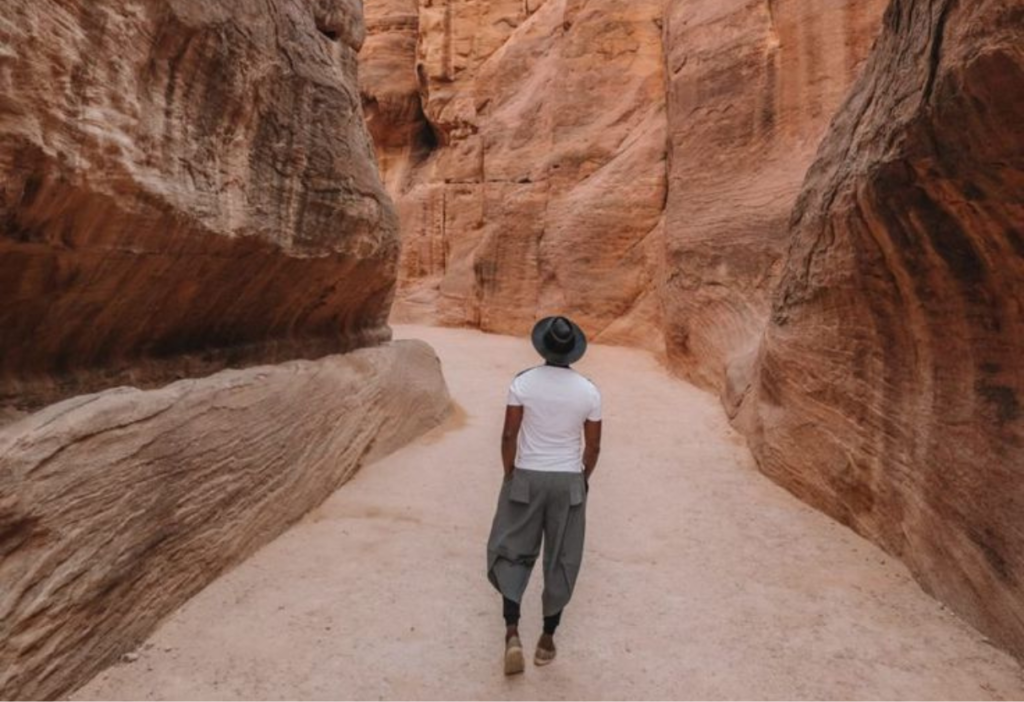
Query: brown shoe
{"x": 542, "y": 656}
{"x": 514, "y": 660}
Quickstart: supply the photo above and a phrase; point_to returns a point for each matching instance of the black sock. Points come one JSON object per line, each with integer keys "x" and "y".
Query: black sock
{"x": 510, "y": 610}
{"x": 551, "y": 623}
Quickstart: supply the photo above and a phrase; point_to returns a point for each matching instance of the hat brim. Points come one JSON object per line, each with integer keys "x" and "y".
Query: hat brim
{"x": 579, "y": 346}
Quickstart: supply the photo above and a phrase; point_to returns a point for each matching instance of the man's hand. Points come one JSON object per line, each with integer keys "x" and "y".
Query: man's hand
{"x": 509, "y": 438}
{"x": 591, "y": 447}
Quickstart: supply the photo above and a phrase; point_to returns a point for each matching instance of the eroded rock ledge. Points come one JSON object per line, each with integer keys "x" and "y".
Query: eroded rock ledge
{"x": 117, "y": 507}
{"x": 187, "y": 185}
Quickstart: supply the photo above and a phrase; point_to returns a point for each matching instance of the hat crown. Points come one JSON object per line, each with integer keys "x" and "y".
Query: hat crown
{"x": 560, "y": 334}
{"x": 561, "y": 330}
{"x": 558, "y": 340}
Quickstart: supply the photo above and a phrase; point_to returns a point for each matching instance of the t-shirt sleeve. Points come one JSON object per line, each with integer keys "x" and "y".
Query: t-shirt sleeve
{"x": 515, "y": 399}
{"x": 595, "y": 406}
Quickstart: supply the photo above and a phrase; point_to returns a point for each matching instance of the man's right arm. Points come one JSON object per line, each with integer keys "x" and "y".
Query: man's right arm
{"x": 509, "y": 437}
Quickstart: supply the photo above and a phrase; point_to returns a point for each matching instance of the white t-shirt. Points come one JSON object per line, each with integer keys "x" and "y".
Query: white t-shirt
{"x": 556, "y": 401}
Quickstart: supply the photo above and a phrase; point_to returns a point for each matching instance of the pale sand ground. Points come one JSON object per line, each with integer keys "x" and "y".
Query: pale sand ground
{"x": 701, "y": 579}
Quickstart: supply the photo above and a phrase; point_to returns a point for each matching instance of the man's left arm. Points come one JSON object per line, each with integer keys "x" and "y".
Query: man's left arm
{"x": 591, "y": 447}
{"x": 592, "y": 436}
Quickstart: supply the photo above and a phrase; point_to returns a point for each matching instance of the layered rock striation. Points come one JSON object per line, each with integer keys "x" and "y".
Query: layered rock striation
{"x": 117, "y": 507}
{"x": 889, "y": 385}
{"x": 752, "y": 87}
{"x": 187, "y": 185}
{"x": 526, "y": 146}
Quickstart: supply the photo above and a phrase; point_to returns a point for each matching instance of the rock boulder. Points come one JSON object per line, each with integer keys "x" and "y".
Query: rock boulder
{"x": 117, "y": 507}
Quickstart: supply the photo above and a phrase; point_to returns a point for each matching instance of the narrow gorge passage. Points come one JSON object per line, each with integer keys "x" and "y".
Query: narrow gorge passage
{"x": 702, "y": 579}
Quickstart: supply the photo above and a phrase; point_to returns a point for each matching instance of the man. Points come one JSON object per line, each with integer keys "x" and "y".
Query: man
{"x": 544, "y": 494}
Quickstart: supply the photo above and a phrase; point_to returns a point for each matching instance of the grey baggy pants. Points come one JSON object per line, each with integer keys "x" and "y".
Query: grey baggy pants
{"x": 531, "y": 505}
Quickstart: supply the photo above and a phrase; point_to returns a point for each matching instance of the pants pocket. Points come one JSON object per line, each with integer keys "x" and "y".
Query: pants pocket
{"x": 519, "y": 490}
{"x": 576, "y": 492}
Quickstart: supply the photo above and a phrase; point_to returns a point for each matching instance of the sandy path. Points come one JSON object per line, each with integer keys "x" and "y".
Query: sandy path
{"x": 701, "y": 579}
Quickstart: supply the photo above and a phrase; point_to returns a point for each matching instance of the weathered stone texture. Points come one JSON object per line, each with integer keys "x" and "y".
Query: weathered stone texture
{"x": 752, "y": 87}
{"x": 890, "y": 382}
{"x": 117, "y": 507}
{"x": 525, "y": 144}
{"x": 537, "y": 180}
{"x": 187, "y": 184}
{"x": 390, "y": 89}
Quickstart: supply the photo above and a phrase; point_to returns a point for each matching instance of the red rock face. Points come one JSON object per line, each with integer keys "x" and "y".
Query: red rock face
{"x": 390, "y": 89}
{"x": 752, "y": 88}
{"x": 187, "y": 184}
{"x": 525, "y": 146}
{"x": 890, "y": 385}
{"x": 539, "y": 183}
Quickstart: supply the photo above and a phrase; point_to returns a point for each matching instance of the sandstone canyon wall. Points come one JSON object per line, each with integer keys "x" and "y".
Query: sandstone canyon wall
{"x": 524, "y": 142}
{"x": 889, "y": 384}
{"x": 526, "y": 146}
{"x": 187, "y": 185}
{"x": 752, "y": 87}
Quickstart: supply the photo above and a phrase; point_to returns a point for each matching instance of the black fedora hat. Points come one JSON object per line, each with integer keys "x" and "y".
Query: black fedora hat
{"x": 559, "y": 340}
